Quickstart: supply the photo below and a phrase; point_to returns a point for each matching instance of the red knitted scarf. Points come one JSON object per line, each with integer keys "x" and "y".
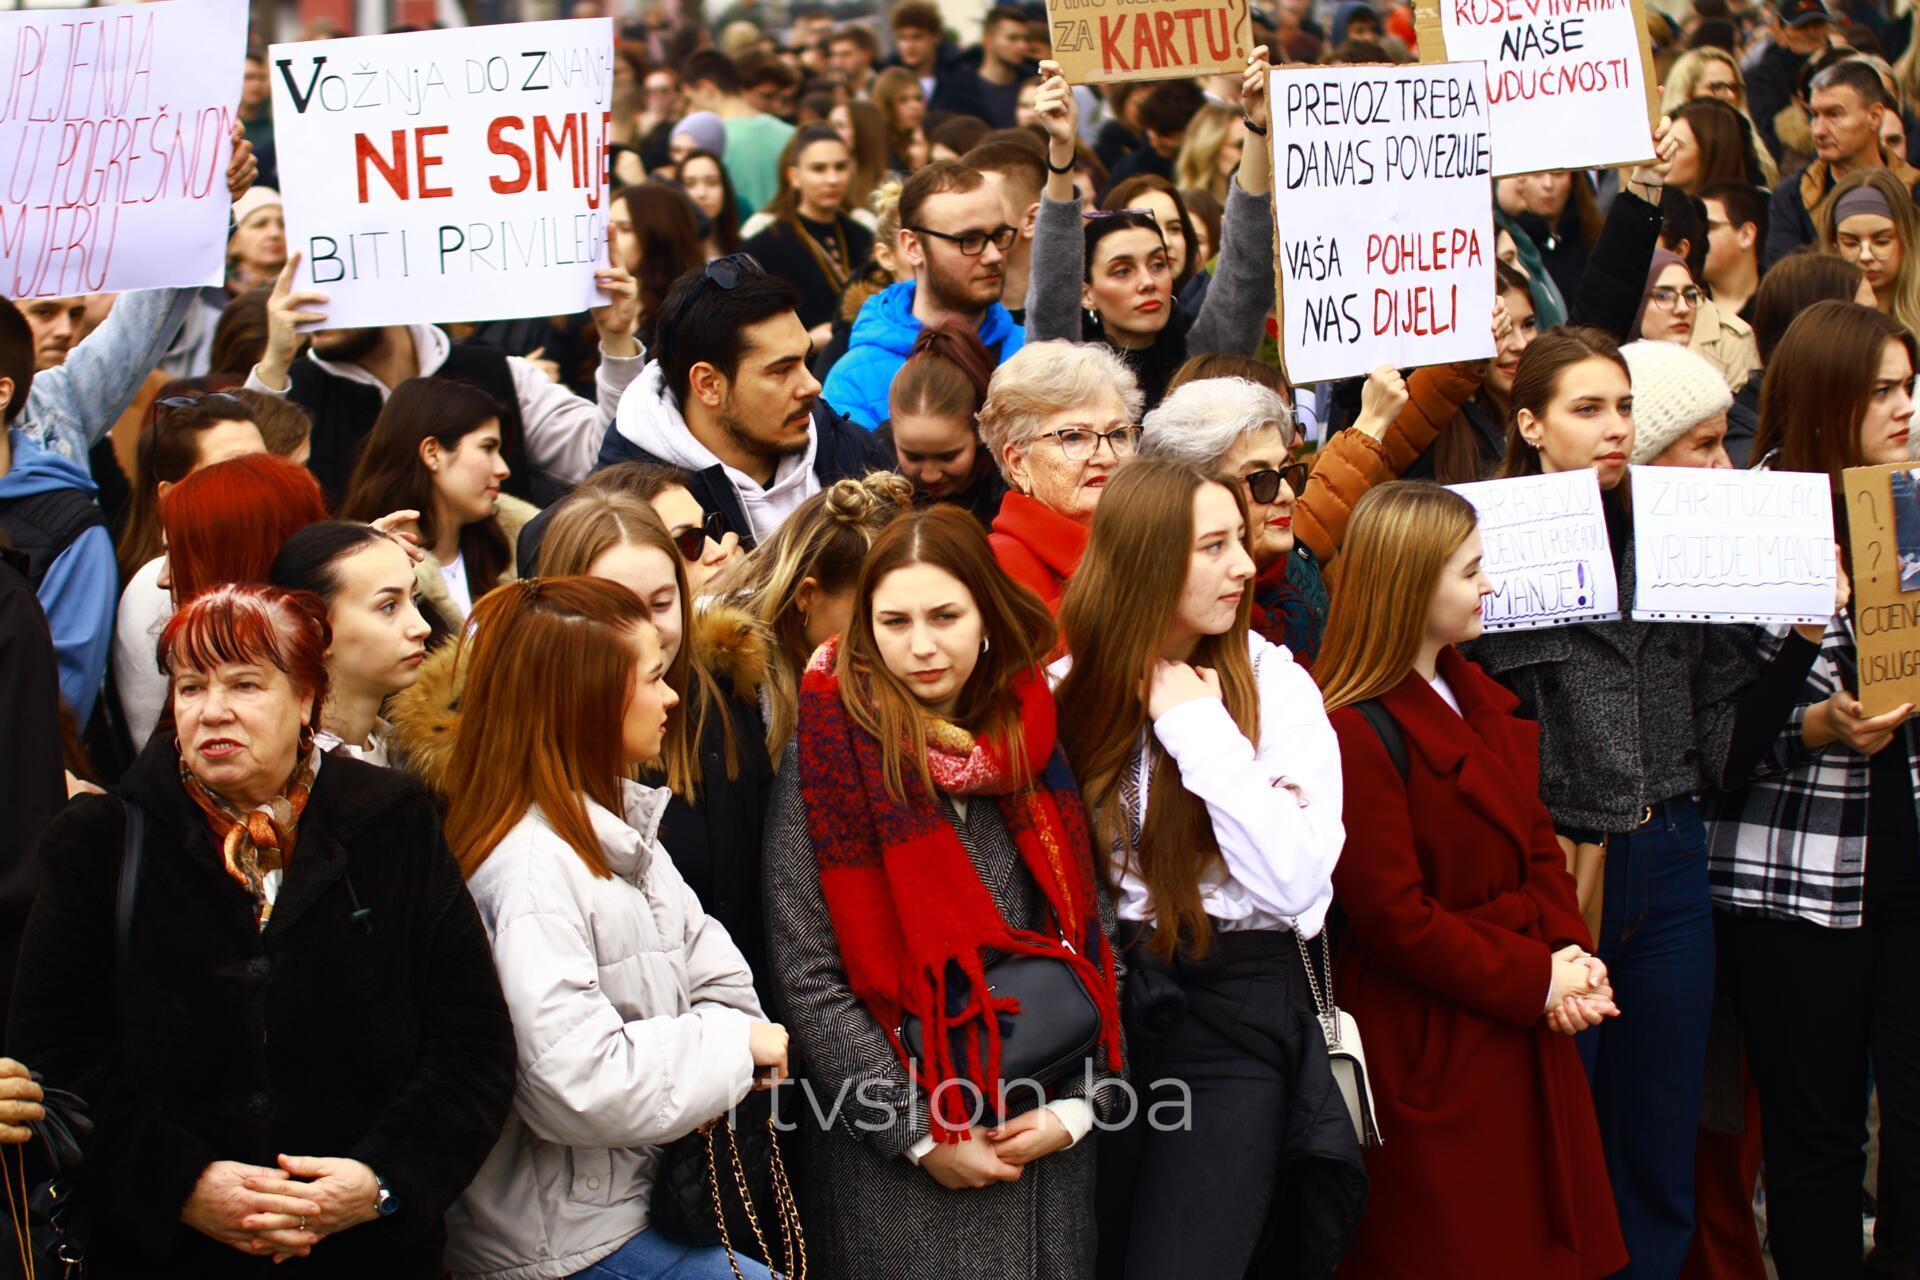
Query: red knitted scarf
{"x": 908, "y": 909}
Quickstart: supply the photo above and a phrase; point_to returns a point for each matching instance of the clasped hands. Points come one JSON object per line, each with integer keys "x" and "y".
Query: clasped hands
{"x": 281, "y": 1212}
{"x": 1581, "y": 994}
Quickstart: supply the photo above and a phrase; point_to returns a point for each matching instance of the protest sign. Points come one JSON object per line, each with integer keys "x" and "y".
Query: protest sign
{"x": 1571, "y": 82}
{"x": 1543, "y": 544}
{"x": 1103, "y": 41}
{"x": 1385, "y": 229}
{"x": 447, "y": 175}
{"x": 1884, "y": 539}
{"x": 1732, "y": 546}
{"x": 115, "y": 133}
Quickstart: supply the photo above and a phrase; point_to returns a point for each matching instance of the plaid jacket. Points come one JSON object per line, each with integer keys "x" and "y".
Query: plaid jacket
{"x": 1793, "y": 843}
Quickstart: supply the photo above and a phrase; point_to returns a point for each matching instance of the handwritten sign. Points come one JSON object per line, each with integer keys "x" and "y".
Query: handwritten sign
{"x": 115, "y": 133}
{"x": 1571, "y": 82}
{"x": 1886, "y": 617}
{"x": 1732, "y": 546}
{"x": 1544, "y": 545}
{"x": 447, "y": 175}
{"x": 1385, "y": 230}
{"x": 1103, "y": 41}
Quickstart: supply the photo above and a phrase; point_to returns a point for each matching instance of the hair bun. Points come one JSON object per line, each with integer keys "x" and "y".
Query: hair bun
{"x": 857, "y": 501}
{"x": 886, "y": 198}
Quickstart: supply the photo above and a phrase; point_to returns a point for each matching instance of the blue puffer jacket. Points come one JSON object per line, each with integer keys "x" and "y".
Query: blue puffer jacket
{"x": 883, "y": 333}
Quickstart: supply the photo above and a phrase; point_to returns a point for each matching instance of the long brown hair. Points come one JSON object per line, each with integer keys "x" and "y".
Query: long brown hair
{"x": 666, "y": 229}
{"x": 1818, "y": 384}
{"x": 1398, "y": 540}
{"x": 168, "y": 449}
{"x": 945, "y": 375}
{"x": 391, "y": 477}
{"x": 1537, "y": 380}
{"x": 1018, "y": 628}
{"x": 1455, "y": 450}
{"x": 549, "y": 669}
{"x": 589, "y": 523}
{"x": 1115, "y": 616}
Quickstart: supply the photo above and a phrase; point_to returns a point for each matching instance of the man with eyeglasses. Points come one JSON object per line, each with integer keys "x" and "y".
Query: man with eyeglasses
{"x": 955, "y": 235}
{"x": 727, "y": 398}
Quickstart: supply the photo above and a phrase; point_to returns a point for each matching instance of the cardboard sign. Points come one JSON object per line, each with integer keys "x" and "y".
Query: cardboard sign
{"x": 447, "y": 175}
{"x": 1103, "y": 41}
{"x": 1384, "y": 226}
{"x": 1544, "y": 545}
{"x": 115, "y": 134}
{"x": 1732, "y": 546}
{"x": 1883, "y": 519}
{"x": 1571, "y": 82}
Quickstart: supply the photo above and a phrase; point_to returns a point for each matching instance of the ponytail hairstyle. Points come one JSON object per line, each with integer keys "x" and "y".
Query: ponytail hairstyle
{"x": 825, "y": 539}
{"x": 1537, "y": 381}
{"x": 1016, "y": 623}
{"x": 1115, "y": 616}
{"x": 593, "y": 521}
{"x": 310, "y": 560}
{"x": 945, "y": 375}
{"x": 1399, "y": 539}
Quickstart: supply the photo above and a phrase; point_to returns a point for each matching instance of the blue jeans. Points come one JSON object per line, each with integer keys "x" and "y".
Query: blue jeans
{"x": 651, "y": 1256}
{"x": 1646, "y": 1066}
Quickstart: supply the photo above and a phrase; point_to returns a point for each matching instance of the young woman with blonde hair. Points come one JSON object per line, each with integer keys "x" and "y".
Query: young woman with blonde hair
{"x": 926, "y": 826}
{"x": 1211, "y": 151}
{"x": 1714, "y": 73}
{"x": 1465, "y": 951}
{"x": 1213, "y": 782}
{"x": 634, "y": 1016}
{"x": 1870, "y": 220}
{"x": 798, "y": 585}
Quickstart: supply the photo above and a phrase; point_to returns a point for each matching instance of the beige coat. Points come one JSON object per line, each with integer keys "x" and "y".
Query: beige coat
{"x": 513, "y": 514}
{"x": 1726, "y": 342}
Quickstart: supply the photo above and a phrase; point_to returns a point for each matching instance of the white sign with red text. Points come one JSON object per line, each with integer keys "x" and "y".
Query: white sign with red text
{"x": 447, "y": 175}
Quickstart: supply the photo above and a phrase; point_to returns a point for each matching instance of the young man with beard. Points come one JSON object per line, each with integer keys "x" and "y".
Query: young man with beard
{"x": 548, "y": 434}
{"x": 727, "y": 397}
{"x": 955, "y": 235}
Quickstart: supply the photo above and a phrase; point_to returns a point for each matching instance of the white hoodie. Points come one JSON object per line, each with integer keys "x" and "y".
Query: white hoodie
{"x": 649, "y": 419}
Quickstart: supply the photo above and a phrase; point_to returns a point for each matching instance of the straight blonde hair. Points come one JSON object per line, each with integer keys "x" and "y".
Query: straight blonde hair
{"x": 1398, "y": 540}
{"x": 1906, "y": 225}
{"x": 1115, "y": 616}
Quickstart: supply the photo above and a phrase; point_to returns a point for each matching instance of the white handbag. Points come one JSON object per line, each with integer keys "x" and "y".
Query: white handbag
{"x": 1344, "y": 1051}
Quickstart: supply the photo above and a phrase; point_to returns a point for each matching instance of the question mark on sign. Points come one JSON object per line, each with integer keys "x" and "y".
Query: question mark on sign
{"x": 1236, "y": 14}
{"x": 1873, "y": 512}
{"x": 1873, "y": 550}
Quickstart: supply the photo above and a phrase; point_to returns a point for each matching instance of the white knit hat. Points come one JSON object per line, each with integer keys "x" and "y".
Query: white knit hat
{"x": 256, "y": 199}
{"x": 1674, "y": 391}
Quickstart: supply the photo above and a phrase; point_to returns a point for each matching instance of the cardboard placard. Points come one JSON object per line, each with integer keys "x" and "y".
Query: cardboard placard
{"x": 1105, "y": 41}
{"x": 115, "y": 135}
{"x": 447, "y": 175}
{"x": 1732, "y": 546}
{"x": 1883, "y": 520}
{"x": 1571, "y": 82}
{"x": 1544, "y": 545}
{"x": 1385, "y": 231}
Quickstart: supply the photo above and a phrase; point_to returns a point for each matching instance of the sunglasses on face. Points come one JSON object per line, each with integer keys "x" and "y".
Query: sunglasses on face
{"x": 692, "y": 541}
{"x": 1264, "y": 486}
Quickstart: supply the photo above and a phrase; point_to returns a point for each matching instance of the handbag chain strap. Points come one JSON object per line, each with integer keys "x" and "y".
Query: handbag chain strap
{"x": 792, "y": 1240}
{"x": 1323, "y": 1005}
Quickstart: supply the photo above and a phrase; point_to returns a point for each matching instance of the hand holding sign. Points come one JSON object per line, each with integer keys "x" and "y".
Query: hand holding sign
{"x": 1649, "y": 180}
{"x": 618, "y": 318}
{"x": 243, "y": 168}
{"x": 1381, "y": 400}
{"x": 1842, "y": 719}
{"x": 290, "y": 312}
{"x": 1253, "y": 90}
{"x": 1059, "y": 114}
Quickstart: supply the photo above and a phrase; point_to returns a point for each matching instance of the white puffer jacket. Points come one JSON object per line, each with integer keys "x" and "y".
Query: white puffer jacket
{"x": 631, "y": 1013}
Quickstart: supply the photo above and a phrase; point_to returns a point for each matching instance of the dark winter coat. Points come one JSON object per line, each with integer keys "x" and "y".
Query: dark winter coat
{"x": 385, "y": 1042}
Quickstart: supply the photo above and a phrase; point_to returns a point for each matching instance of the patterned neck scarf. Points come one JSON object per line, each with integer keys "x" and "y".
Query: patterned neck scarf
{"x": 260, "y": 840}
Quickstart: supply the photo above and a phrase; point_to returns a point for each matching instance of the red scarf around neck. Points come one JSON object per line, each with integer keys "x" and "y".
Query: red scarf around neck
{"x": 908, "y": 909}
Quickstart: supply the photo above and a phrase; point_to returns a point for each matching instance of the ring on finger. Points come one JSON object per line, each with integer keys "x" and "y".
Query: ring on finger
{"x": 303, "y": 1222}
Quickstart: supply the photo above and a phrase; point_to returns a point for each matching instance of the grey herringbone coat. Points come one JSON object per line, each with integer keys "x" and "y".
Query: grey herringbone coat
{"x": 869, "y": 1212}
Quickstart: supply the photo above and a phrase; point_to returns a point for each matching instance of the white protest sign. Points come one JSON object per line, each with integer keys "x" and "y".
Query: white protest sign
{"x": 1385, "y": 229}
{"x": 1569, "y": 80}
{"x": 447, "y": 175}
{"x": 1731, "y": 546}
{"x": 115, "y": 133}
{"x": 1543, "y": 542}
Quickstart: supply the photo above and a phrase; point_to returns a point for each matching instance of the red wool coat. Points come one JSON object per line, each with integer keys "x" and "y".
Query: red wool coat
{"x": 1037, "y": 546}
{"x": 1456, "y": 895}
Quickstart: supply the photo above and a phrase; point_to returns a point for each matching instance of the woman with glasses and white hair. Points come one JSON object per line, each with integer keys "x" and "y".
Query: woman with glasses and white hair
{"x": 1060, "y": 419}
{"x": 1114, "y": 263}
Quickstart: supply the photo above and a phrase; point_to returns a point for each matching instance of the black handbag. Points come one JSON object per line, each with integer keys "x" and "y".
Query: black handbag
{"x": 1056, "y": 1030}
{"x": 51, "y": 1220}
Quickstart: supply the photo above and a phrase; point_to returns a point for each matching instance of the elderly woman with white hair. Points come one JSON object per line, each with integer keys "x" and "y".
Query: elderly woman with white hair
{"x": 1060, "y": 419}
{"x": 1680, "y": 403}
{"x": 1239, "y": 430}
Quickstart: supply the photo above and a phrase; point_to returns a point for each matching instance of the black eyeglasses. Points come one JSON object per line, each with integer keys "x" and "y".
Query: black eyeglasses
{"x": 1264, "y": 486}
{"x": 974, "y": 243}
{"x": 692, "y": 541}
{"x": 725, "y": 272}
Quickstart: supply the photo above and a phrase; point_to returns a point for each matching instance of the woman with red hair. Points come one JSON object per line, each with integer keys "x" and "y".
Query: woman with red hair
{"x": 223, "y": 523}
{"x": 282, "y": 902}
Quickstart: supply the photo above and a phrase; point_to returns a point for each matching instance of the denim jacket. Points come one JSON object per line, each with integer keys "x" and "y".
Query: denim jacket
{"x": 73, "y": 405}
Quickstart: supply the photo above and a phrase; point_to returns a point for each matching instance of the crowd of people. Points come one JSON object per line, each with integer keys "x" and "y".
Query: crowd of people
{"x": 908, "y": 674}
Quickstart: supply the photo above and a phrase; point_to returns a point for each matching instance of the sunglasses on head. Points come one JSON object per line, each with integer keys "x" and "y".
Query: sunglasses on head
{"x": 167, "y": 405}
{"x": 1264, "y": 486}
{"x": 727, "y": 273}
{"x": 692, "y": 541}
